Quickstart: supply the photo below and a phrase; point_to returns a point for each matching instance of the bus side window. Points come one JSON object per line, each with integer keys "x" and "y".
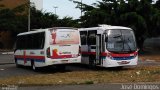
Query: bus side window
{"x": 38, "y": 39}
{"x": 30, "y": 40}
{"x": 25, "y": 44}
{"x": 42, "y": 40}
{"x": 18, "y": 44}
{"x": 22, "y": 42}
{"x": 92, "y": 37}
{"x": 83, "y": 35}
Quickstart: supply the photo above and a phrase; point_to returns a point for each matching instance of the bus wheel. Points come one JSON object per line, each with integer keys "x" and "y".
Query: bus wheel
{"x": 61, "y": 67}
{"x": 17, "y": 65}
{"x": 120, "y": 67}
{"x": 34, "y": 68}
{"x": 92, "y": 62}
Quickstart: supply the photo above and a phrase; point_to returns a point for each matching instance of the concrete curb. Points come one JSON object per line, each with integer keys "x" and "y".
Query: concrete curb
{"x": 7, "y": 53}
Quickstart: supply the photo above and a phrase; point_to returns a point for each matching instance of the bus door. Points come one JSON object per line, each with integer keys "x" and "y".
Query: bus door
{"x": 98, "y": 49}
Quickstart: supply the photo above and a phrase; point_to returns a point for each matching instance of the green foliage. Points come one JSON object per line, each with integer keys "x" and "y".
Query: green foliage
{"x": 142, "y": 16}
{"x": 10, "y": 22}
{"x": 41, "y": 19}
{"x": 16, "y": 20}
{"x": 20, "y": 9}
{"x": 68, "y": 22}
{"x": 13, "y": 20}
{"x": 89, "y": 82}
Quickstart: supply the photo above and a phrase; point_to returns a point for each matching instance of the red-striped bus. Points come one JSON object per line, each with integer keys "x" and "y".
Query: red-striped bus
{"x": 44, "y": 47}
{"x": 108, "y": 46}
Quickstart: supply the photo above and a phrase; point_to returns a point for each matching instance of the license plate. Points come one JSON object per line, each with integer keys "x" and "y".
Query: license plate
{"x": 64, "y": 61}
{"x": 124, "y": 62}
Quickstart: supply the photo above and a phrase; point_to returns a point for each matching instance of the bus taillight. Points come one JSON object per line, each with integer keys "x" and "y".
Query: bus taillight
{"x": 79, "y": 51}
{"x": 48, "y": 52}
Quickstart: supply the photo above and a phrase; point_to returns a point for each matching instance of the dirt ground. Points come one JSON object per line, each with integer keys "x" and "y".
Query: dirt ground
{"x": 150, "y": 53}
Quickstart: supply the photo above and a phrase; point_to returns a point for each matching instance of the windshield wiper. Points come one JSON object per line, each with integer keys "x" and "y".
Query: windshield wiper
{"x": 122, "y": 40}
{"x": 128, "y": 44}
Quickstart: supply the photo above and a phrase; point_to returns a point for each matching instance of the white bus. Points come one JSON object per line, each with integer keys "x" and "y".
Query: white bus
{"x": 44, "y": 47}
{"x": 108, "y": 46}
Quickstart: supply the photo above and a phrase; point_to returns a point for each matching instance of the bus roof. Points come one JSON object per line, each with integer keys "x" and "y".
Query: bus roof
{"x": 43, "y": 30}
{"x": 105, "y": 27}
{"x": 37, "y": 30}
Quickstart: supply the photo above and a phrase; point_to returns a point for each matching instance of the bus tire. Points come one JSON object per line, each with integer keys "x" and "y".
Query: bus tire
{"x": 61, "y": 67}
{"x": 92, "y": 62}
{"x": 17, "y": 65}
{"x": 34, "y": 68}
{"x": 120, "y": 67}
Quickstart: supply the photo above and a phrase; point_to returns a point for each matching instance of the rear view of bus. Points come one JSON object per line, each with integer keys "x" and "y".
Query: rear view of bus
{"x": 62, "y": 46}
{"x": 45, "y": 47}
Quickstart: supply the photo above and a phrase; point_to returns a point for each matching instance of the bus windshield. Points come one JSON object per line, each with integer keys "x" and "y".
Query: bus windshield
{"x": 120, "y": 41}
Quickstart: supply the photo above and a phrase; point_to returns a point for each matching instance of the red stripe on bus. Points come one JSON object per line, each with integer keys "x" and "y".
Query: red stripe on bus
{"x": 61, "y": 56}
{"x": 104, "y": 54}
{"x": 123, "y": 55}
{"x": 34, "y": 57}
{"x": 57, "y": 56}
{"x": 112, "y": 54}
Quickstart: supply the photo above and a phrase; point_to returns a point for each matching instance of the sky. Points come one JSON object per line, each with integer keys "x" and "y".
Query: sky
{"x": 64, "y": 7}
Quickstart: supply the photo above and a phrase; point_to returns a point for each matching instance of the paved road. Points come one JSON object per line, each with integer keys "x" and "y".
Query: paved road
{"x": 8, "y": 68}
{"x": 6, "y": 59}
{"x": 76, "y": 87}
{"x": 120, "y": 86}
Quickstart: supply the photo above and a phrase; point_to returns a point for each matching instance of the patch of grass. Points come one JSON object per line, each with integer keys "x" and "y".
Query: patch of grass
{"x": 129, "y": 75}
{"x": 150, "y": 57}
{"x": 150, "y": 53}
{"x": 89, "y": 82}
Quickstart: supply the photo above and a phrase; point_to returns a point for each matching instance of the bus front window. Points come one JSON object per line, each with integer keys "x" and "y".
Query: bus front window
{"x": 121, "y": 41}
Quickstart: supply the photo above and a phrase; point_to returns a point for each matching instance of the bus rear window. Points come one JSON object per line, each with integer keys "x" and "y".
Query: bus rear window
{"x": 64, "y": 37}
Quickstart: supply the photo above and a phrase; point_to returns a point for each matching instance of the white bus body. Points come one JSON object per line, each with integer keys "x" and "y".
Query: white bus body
{"x": 108, "y": 46}
{"x": 44, "y": 47}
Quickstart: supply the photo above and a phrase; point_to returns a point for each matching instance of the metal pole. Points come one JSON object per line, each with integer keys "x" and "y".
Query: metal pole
{"x": 81, "y": 8}
{"x": 55, "y": 7}
{"x": 29, "y": 16}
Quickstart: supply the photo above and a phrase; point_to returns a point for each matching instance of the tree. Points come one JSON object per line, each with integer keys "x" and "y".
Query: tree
{"x": 10, "y": 22}
{"x": 141, "y": 15}
{"x": 138, "y": 24}
{"x": 156, "y": 25}
{"x": 68, "y": 22}
{"x": 157, "y": 5}
{"x": 41, "y": 19}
